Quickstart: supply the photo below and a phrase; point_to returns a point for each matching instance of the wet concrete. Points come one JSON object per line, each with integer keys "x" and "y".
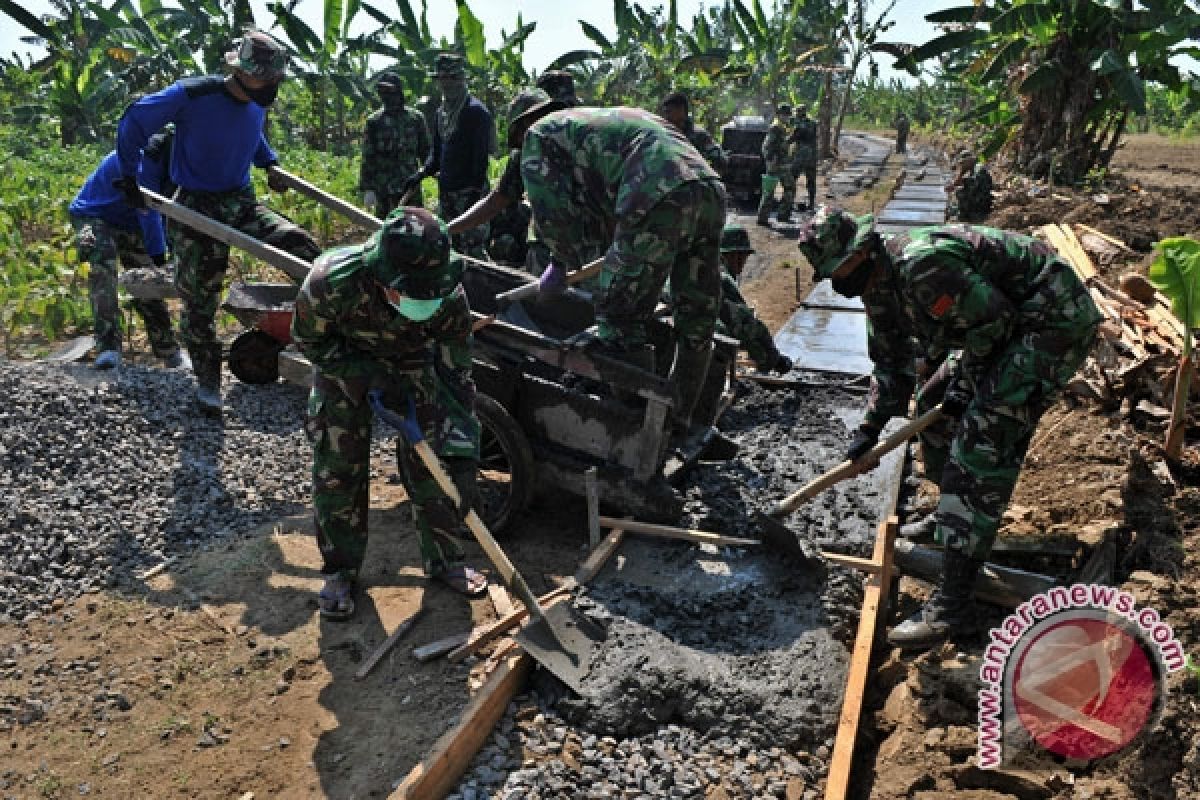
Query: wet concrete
{"x": 827, "y": 340}
{"x": 901, "y": 216}
{"x": 823, "y": 296}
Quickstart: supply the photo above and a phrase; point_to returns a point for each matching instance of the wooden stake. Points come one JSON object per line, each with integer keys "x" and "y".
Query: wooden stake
{"x": 1179, "y": 407}
{"x": 438, "y": 773}
{"x": 596, "y": 560}
{"x": 388, "y": 643}
{"x": 873, "y": 608}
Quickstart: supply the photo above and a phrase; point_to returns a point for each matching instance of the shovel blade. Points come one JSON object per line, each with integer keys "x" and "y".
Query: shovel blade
{"x": 73, "y": 350}
{"x": 784, "y": 540}
{"x": 515, "y": 314}
{"x": 562, "y": 641}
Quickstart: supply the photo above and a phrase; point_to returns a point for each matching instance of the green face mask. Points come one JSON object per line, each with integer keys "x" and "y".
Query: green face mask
{"x": 417, "y": 310}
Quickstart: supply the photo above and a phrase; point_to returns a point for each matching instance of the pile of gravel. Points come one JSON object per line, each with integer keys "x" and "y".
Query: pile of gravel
{"x": 104, "y": 475}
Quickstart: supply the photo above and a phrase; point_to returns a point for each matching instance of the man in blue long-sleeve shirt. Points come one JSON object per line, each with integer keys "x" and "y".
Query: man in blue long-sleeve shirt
{"x": 219, "y": 122}
{"x": 462, "y": 139}
{"x": 108, "y": 231}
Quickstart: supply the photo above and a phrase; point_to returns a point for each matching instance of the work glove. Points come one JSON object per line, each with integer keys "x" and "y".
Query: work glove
{"x": 954, "y": 405}
{"x": 130, "y": 190}
{"x": 407, "y": 425}
{"x": 864, "y": 439}
{"x": 783, "y": 365}
{"x": 369, "y": 198}
{"x": 553, "y": 280}
{"x": 275, "y": 182}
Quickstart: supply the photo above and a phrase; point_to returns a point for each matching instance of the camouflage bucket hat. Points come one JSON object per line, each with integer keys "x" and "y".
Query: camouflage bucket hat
{"x": 410, "y": 255}
{"x": 528, "y": 106}
{"x": 449, "y": 65}
{"x": 260, "y": 55}
{"x": 830, "y": 236}
{"x": 560, "y": 85}
{"x": 735, "y": 239}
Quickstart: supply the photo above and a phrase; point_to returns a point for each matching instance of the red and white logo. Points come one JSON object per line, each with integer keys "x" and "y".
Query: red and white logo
{"x": 1083, "y": 687}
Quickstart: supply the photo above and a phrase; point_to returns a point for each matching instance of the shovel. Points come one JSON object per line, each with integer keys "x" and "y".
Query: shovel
{"x": 559, "y": 638}
{"x": 782, "y": 538}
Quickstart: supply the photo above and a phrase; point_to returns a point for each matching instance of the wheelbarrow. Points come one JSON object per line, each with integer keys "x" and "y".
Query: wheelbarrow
{"x": 266, "y": 311}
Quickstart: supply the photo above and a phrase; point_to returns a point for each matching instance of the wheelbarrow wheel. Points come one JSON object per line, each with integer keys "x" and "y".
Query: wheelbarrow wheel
{"x": 506, "y": 469}
{"x": 254, "y": 357}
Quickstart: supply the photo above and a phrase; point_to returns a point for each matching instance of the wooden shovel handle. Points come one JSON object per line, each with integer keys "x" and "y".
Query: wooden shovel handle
{"x": 350, "y": 212}
{"x": 495, "y": 554}
{"x": 847, "y": 469}
{"x": 530, "y": 289}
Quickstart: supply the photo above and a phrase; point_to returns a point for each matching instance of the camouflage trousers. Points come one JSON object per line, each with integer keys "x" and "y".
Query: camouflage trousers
{"x": 809, "y": 171}
{"x": 103, "y": 246}
{"x": 202, "y": 262}
{"x": 471, "y": 243}
{"x": 787, "y": 185}
{"x": 989, "y": 442}
{"x": 738, "y": 320}
{"x": 677, "y": 239}
{"x": 340, "y": 431}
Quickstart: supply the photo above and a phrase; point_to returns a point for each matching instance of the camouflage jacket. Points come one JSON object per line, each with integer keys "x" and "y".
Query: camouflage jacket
{"x": 588, "y": 168}
{"x": 775, "y": 146}
{"x": 703, "y": 141}
{"x": 804, "y": 143}
{"x": 344, "y": 324}
{"x": 962, "y": 287}
{"x": 395, "y": 145}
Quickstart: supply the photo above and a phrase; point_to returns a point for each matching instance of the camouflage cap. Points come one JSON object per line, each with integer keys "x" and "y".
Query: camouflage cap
{"x": 966, "y": 158}
{"x": 389, "y": 83}
{"x": 411, "y": 254}
{"x": 832, "y": 235}
{"x": 260, "y": 55}
{"x": 528, "y": 106}
{"x": 449, "y": 65}
{"x": 735, "y": 239}
{"x": 560, "y": 85}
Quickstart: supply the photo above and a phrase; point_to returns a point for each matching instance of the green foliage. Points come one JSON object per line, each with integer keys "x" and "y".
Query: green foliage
{"x": 1176, "y": 273}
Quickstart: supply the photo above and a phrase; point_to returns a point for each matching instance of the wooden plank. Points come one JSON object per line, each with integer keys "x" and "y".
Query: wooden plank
{"x": 439, "y": 772}
{"x": 428, "y": 652}
{"x": 1001, "y": 586}
{"x": 484, "y": 635}
{"x": 1114, "y": 241}
{"x": 874, "y": 604}
{"x": 388, "y": 643}
{"x": 596, "y": 560}
{"x": 500, "y": 599}
{"x": 668, "y": 532}
{"x": 853, "y": 562}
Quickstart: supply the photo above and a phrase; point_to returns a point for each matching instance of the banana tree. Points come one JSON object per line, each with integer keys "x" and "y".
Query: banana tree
{"x": 859, "y": 35}
{"x": 1176, "y": 273}
{"x": 1059, "y": 78}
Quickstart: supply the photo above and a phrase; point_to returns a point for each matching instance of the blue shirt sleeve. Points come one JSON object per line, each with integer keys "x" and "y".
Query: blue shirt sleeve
{"x": 142, "y": 120}
{"x": 151, "y": 174}
{"x": 264, "y": 156}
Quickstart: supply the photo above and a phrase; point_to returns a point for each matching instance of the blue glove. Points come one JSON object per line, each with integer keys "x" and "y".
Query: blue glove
{"x": 407, "y": 426}
{"x": 553, "y": 280}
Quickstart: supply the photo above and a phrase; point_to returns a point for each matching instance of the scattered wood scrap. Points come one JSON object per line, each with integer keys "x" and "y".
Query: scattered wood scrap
{"x": 398, "y": 634}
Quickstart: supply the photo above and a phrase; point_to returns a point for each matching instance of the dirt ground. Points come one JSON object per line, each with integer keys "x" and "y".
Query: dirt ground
{"x": 218, "y": 680}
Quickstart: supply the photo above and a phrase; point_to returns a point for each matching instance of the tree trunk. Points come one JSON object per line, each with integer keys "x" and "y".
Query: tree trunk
{"x": 825, "y": 116}
{"x": 1107, "y": 158}
{"x": 854, "y": 62}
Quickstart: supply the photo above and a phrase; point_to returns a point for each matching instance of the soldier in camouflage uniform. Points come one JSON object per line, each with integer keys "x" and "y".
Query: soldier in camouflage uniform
{"x": 619, "y": 178}
{"x": 510, "y": 235}
{"x": 972, "y": 187}
{"x": 778, "y": 169}
{"x": 737, "y": 318}
{"x": 389, "y": 315}
{"x": 1024, "y": 323}
{"x": 395, "y": 144}
{"x": 108, "y": 231}
{"x": 804, "y": 152}
{"x": 462, "y": 140}
{"x": 676, "y": 109}
{"x": 219, "y": 135}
